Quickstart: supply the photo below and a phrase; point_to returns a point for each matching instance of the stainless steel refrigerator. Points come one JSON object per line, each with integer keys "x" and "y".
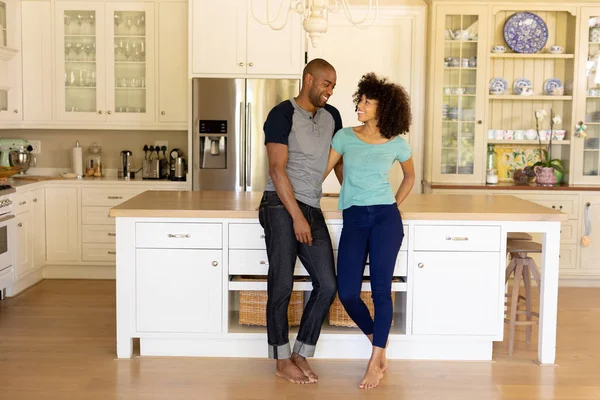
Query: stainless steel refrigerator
{"x": 228, "y": 137}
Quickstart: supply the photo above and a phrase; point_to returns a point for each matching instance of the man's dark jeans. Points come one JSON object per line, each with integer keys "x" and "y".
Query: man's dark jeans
{"x": 283, "y": 250}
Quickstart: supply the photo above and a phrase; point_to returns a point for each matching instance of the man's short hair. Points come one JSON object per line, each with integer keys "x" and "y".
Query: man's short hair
{"x": 318, "y": 64}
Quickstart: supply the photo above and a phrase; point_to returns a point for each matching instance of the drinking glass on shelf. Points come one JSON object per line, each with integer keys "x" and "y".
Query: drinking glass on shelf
{"x": 78, "y": 50}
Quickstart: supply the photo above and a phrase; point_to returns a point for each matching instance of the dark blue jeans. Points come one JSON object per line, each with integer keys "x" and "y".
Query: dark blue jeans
{"x": 375, "y": 231}
{"x": 282, "y": 251}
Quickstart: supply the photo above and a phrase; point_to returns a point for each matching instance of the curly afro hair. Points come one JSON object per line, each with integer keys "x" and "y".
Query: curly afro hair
{"x": 393, "y": 109}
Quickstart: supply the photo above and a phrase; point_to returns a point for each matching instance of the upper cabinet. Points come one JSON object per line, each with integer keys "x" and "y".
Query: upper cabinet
{"x": 227, "y": 40}
{"x": 10, "y": 61}
{"x": 458, "y": 68}
{"x": 105, "y": 61}
{"x": 587, "y": 142}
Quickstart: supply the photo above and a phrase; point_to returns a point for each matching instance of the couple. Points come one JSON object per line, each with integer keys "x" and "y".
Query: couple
{"x": 305, "y": 141}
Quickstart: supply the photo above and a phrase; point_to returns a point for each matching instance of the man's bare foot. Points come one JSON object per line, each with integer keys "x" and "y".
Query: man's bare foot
{"x": 372, "y": 377}
{"x": 286, "y": 369}
{"x": 302, "y": 364}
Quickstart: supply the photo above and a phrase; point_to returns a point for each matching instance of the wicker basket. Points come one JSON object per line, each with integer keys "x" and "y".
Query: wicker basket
{"x": 339, "y": 317}
{"x": 253, "y": 308}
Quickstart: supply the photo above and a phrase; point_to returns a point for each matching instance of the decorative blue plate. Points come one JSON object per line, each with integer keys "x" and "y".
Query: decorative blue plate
{"x": 525, "y": 32}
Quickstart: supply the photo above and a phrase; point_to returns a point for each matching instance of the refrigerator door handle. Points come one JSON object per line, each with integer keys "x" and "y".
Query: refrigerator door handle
{"x": 249, "y": 146}
{"x": 242, "y": 158}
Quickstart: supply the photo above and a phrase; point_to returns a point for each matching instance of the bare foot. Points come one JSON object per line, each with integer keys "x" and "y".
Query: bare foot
{"x": 286, "y": 369}
{"x": 302, "y": 364}
{"x": 372, "y": 377}
{"x": 384, "y": 361}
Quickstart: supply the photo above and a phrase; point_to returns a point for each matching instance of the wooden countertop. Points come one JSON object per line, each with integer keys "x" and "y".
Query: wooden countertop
{"x": 225, "y": 204}
{"x": 512, "y": 186}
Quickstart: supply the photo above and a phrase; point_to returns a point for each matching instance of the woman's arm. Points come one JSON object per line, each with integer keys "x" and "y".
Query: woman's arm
{"x": 408, "y": 181}
{"x": 334, "y": 157}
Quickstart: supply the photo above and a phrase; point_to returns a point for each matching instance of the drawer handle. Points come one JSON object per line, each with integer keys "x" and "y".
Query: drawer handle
{"x": 420, "y": 265}
{"x": 112, "y": 234}
{"x": 215, "y": 263}
{"x": 22, "y": 203}
{"x": 115, "y": 197}
{"x": 112, "y": 252}
{"x": 179, "y": 235}
{"x": 457, "y": 239}
{"x": 263, "y": 263}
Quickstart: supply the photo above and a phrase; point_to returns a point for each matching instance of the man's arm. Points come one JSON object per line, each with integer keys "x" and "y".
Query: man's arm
{"x": 278, "y": 158}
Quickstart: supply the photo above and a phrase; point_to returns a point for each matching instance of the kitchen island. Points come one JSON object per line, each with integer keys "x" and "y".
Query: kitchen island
{"x": 184, "y": 257}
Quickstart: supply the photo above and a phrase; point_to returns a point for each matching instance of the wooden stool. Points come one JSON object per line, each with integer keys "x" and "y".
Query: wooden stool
{"x": 518, "y": 236}
{"x": 523, "y": 267}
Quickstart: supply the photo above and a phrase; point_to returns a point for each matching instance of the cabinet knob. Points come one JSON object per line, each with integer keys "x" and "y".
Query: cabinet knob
{"x": 241, "y": 64}
{"x": 215, "y": 263}
{"x": 251, "y": 64}
{"x": 479, "y": 122}
{"x": 420, "y": 265}
{"x": 35, "y": 200}
{"x": 162, "y": 113}
{"x": 109, "y": 112}
{"x": 16, "y": 111}
{"x": 100, "y": 112}
{"x": 262, "y": 262}
{"x": 20, "y": 224}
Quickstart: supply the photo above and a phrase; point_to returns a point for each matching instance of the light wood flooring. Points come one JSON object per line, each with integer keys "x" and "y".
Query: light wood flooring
{"x": 57, "y": 341}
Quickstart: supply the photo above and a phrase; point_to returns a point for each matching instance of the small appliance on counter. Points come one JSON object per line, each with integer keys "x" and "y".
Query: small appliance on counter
{"x": 93, "y": 165}
{"x": 153, "y": 166}
{"x": 178, "y": 166}
{"x": 126, "y": 170}
{"x": 16, "y": 153}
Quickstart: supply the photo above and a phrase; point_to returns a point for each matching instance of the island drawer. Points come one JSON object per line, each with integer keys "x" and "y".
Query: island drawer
{"x": 457, "y": 238}
{"x": 173, "y": 235}
{"x": 252, "y": 236}
{"x": 107, "y": 196}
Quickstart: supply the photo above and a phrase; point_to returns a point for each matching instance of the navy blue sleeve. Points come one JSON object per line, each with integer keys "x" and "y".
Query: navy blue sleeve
{"x": 278, "y": 125}
{"x": 336, "y": 117}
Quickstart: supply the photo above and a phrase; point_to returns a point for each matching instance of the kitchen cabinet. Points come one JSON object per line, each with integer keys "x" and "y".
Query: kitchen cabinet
{"x": 62, "y": 224}
{"x": 172, "y": 53}
{"x": 228, "y": 41}
{"x": 105, "y": 61}
{"x": 38, "y": 227}
{"x": 10, "y": 61}
{"x": 23, "y": 261}
{"x": 36, "y": 51}
{"x": 179, "y": 290}
{"x": 456, "y": 293}
{"x": 590, "y": 254}
{"x": 30, "y": 232}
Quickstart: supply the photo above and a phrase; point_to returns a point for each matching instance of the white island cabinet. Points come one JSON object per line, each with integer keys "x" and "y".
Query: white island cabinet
{"x": 184, "y": 257}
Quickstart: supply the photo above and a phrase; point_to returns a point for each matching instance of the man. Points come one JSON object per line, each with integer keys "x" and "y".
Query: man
{"x": 298, "y": 136}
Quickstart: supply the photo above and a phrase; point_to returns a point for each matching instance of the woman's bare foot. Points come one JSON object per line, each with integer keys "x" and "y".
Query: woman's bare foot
{"x": 384, "y": 361}
{"x": 372, "y": 377}
{"x": 286, "y": 369}
{"x": 302, "y": 364}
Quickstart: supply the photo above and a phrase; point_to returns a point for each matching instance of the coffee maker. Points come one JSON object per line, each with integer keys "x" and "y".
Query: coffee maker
{"x": 126, "y": 170}
{"x": 178, "y": 165}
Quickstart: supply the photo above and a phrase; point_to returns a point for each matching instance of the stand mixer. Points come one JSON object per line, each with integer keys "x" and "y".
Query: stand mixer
{"x": 22, "y": 147}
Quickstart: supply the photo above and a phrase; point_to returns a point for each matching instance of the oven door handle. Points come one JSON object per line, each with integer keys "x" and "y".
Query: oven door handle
{"x": 6, "y": 218}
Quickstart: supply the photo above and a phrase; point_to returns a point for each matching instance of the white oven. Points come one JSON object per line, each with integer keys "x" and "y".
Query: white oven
{"x": 7, "y": 253}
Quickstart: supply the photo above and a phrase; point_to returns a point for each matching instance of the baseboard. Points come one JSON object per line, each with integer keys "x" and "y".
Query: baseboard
{"x": 579, "y": 281}
{"x": 25, "y": 283}
{"x": 79, "y": 272}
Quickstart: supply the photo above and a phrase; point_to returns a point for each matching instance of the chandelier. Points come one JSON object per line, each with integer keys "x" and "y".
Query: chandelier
{"x": 314, "y": 14}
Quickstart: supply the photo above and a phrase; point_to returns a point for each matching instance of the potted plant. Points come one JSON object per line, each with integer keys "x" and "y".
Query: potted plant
{"x": 548, "y": 171}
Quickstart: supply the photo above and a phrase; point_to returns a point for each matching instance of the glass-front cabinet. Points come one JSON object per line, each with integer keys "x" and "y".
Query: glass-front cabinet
{"x": 105, "y": 62}
{"x": 459, "y": 102}
{"x": 10, "y": 64}
{"x": 587, "y": 141}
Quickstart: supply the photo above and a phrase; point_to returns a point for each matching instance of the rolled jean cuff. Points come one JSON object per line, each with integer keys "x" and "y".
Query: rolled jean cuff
{"x": 280, "y": 352}
{"x": 303, "y": 349}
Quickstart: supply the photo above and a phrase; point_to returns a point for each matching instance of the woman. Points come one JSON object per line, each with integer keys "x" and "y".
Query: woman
{"x": 372, "y": 220}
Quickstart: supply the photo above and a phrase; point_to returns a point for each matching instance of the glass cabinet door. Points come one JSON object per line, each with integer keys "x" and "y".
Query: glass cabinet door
{"x": 459, "y": 73}
{"x": 129, "y": 62}
{"x": 3, "y": 28}
{"x": 80, "y": 61}
{"x": 588, "y": 143}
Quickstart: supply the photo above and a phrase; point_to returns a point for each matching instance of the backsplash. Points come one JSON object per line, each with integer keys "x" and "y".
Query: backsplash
{"x": 56, "y": 144}
{"x": 511, "y": 158}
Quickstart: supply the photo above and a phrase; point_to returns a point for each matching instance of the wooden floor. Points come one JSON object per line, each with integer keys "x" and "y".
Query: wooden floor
{"x": 57, "y": 341}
